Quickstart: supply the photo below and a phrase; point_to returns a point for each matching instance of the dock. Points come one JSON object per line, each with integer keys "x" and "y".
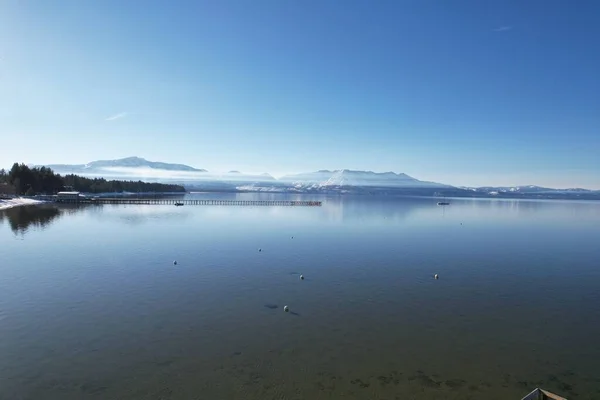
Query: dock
{"x": 192, "y": 202}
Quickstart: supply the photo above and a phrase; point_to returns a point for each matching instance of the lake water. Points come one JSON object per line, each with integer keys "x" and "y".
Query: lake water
{"x": 92, "y": 306}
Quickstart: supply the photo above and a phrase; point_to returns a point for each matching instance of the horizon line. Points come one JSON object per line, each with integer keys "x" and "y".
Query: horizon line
{"x": 279, "y": 176}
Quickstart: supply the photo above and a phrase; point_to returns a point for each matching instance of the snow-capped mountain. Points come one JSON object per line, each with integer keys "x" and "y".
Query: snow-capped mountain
{"x": 137, "y": 168}
{"x": 528, "y": 189}
{"x": 134, "y": 168}
{"x": 346, "y": 177}
{"x": 367, "y": 178}
{"x": 137, "y": 162}
{"x": 128, "y": 162}
{"x": 323, "y": 181}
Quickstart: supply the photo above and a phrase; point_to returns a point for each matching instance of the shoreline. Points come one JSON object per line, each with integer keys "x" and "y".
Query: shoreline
{"x": 18, "y": 202}
{"x": 6, "y": 204}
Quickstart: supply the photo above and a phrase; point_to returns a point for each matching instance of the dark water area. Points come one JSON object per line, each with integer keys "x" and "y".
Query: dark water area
{"x": 93, "y": 306}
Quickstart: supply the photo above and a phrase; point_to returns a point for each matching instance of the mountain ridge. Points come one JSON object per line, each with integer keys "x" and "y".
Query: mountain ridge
{"x": 127, "y": 162}
{"x": 323, "y": 179}
{"x": 525, "y": 189}
{"x": 349, "y": 177}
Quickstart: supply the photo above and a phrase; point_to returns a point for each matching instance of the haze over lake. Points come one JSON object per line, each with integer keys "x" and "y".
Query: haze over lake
{"x": 92, "y": 305}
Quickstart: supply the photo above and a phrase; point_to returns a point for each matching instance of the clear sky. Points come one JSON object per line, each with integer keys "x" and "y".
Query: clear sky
{"x": 474, "y": 92}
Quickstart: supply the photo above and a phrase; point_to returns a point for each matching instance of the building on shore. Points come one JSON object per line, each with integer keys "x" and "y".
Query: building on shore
{"x": 70, "y": 197}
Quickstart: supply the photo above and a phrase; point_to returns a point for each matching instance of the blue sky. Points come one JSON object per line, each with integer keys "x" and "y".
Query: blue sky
{"x": 461, "y": 92}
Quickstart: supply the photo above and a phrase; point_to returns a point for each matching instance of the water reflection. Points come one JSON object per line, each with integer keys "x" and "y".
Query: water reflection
{"x": 389, "y": 209}
{"x": 110, "y": 316}
{"x": 25, "y": 218}
{"x": 21, "y": 219}
{"x": 374, "y": 208}
{"x": 336, "y": 209}
{"x": 135, "y": 215}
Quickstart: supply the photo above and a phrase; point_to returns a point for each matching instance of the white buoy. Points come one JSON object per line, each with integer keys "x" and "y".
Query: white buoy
{"x": 302, "y": 277}
{"x": 436, "y": 276}
{"x": 286, "y": 308}
{"x": 174, "y": 262}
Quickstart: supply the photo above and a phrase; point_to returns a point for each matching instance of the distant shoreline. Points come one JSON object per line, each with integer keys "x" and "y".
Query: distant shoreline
{"x": 394, "y": 192}
{"x": 8, "y": 203}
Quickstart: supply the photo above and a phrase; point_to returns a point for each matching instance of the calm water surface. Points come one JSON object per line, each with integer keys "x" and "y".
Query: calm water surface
{"x": 92, "y": 306}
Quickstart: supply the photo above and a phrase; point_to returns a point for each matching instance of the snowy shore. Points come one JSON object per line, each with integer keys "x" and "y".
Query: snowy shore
{"x": 19, "y": 201}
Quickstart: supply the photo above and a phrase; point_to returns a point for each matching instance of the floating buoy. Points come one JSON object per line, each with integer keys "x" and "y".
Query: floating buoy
{"x": 174, "y": 262}
{"x": 302, "y": 277}
{"x": 259, "y": 249}
{"x": 436, "y": 276}
{"x": 292, "y": 237}
{"x": 286, "y": 308}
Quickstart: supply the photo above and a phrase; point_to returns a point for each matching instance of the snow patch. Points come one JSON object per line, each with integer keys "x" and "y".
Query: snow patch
{"x": 19, "y": 201}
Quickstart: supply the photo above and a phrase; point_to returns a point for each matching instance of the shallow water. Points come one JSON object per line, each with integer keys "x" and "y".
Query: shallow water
{"x": 92, "y": 306}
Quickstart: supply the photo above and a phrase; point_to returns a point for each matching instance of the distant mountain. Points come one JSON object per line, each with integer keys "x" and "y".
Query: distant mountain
{"x": 324, "y": 181}
{"x": 137, "y": 162}
{"x": 524, "y": 190}
{"x": 128, "y": 162}
{"x": 350, "y": 178}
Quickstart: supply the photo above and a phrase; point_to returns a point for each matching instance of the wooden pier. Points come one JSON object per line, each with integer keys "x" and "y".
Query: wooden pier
{"x": 193, "y": 202}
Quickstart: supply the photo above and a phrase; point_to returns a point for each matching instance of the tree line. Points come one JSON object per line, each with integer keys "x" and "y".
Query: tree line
{"x": 3, "y": 176}
{"x": 41, "y": 180}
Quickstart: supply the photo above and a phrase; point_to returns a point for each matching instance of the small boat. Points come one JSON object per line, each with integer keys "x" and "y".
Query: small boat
{"x": 178, "y": 204}
{"x": 541, "y": 394}
{"x": 444, "y": 202}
